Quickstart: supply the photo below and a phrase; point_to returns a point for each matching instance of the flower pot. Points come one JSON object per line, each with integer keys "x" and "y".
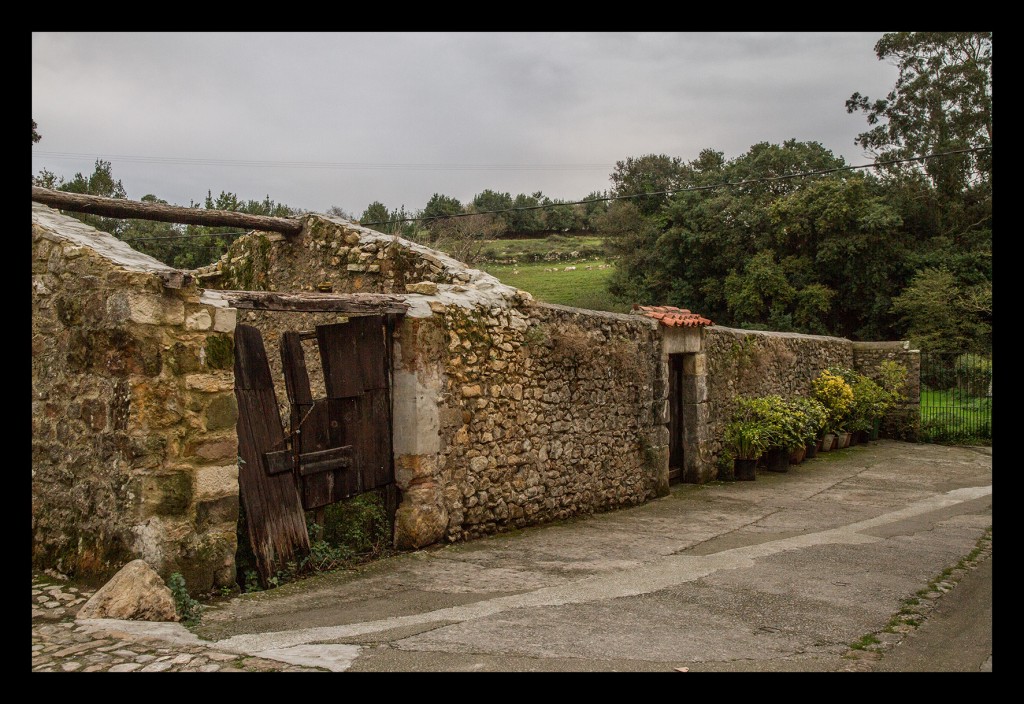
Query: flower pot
{"x": 776, "y": 460}
{"x": 744, "y": 470}
{"x": 853, "y": 438}
{"x": 844, "y": 440}
{"x": 827, "y": 441}
{"x": 812, "y": 450}
{"x": 876, "y": 425}
{"x": 797, "y": 456}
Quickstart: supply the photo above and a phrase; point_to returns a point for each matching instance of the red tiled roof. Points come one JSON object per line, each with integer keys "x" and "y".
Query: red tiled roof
{"x": 672, "y": 317}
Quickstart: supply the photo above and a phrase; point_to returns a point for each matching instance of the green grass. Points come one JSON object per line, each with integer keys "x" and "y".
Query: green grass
{"x": 555, "y": 247}
{"x": 947, "y": 416}
{"x": 581, "y": 288}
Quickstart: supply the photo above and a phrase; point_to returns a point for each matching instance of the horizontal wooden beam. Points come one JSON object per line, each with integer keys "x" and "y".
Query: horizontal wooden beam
{"x": 124, "y": 208}
{"x": 346, "y": 303}
{"x": 280, "y": 461}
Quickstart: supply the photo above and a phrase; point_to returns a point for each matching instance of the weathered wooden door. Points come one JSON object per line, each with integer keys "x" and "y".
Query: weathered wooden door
{"x": 337, "y": 446}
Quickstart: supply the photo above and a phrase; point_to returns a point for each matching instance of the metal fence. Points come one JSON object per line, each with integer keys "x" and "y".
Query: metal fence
{"x": 956, "y": 397}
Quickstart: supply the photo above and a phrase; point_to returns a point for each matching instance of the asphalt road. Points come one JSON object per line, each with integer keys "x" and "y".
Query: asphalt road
{"x": 854, "y": 561}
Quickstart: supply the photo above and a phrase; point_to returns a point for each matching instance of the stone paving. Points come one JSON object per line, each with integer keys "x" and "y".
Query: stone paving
{"x": 60, "y": 644}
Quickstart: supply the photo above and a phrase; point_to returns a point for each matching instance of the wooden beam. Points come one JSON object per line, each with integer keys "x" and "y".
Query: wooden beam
{"x": 353, "y": 304}
{"x": 124, "y": 208}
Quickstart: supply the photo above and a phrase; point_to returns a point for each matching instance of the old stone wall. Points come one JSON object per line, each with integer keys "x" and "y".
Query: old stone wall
{"x": 904, "y": 423}
{"x": 745, "y": 363}
{"x": 546, "y": 412}
{"x": 506, "y": 412}
{"x": 133, "y": 415}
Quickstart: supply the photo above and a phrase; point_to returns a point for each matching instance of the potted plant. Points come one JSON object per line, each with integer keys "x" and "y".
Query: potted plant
{"x": 832, "y": 392}
{"x": 811, "y": 416}
{"x": 770, "y": 412}
{"x": 745, "y": 441}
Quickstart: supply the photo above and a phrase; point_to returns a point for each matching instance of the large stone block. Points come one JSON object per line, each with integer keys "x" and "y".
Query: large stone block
{"x": 224, "y": 319}
{"x": 221, "y": 412}
{"x": 145, "y": 308}
{"x": 210, "y": 383}
{"x": 168, "y": 493}
{"x": 200, "y": 320}
{"x": 421, "y": 519}
{"x": 695, "y": 364}
{"x": 216, "y": 482}
{"x": 216, "y": 511}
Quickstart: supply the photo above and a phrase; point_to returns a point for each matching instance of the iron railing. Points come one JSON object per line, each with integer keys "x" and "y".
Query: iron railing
{"x": 956, "y": 397}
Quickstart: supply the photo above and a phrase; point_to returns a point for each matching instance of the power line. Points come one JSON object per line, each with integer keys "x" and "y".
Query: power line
{"x": 763, "y": 179}
{"x": 344, "y": 165}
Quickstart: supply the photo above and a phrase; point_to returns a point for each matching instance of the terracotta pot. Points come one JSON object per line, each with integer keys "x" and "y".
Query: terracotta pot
{"x": 827, "y": 442}
{"x": 797, "y": 456}
{"x": 812, "y": 450}
{"x": 844, "y": 440}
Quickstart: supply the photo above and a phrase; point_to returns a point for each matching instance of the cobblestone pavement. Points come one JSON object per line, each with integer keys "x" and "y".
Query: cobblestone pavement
{"x": 60, "y": 644}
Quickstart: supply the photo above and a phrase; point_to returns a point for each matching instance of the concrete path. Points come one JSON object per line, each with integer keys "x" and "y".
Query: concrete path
{"x": 827, "y": 567}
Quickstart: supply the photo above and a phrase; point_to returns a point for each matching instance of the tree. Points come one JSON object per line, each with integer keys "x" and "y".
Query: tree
{"x": 440, "y": 206}
{"x": 942, "y": 101}
{"x": 941, "y": 314}
{"x": 650, "y": 173}
{"x": 35, "y": 135}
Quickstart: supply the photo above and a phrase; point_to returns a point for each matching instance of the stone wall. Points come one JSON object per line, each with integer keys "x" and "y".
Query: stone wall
{"x": 745, "y": 363}
{"x": 133, "y": 415}
{"x": 545, "y": 412}
{"x": 904, "y": 423}
{"x": 506, "y": 412}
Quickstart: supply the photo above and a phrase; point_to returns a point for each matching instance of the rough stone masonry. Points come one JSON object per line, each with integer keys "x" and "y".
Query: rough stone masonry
{"x": 507, "y": 412}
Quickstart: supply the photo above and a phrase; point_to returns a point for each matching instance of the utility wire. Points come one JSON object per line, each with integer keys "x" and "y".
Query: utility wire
{"x": 352, "y": 165}
{"x": 763, "y": 179}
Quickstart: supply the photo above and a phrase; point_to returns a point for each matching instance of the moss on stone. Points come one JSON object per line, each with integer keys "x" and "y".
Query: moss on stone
{"x": 220, "y": 352}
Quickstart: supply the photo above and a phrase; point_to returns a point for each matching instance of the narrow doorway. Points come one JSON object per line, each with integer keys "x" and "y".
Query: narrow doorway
{"x": 675, "y": 414}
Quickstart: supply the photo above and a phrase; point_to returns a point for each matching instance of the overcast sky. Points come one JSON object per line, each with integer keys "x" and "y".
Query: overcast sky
{"x": 321, "y": 120}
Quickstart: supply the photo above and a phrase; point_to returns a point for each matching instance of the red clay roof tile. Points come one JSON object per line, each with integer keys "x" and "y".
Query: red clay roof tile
{"x": 672, "y": 317}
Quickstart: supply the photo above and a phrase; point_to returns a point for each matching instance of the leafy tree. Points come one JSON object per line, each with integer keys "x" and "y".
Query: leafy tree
{"x": 376, "y": 212}
{"x": 35, "y": 135}
{"x": 942, "y": 314}
{"x": 440, "y": 206}
{"x": 650, "y": 173}
{"x": 942, "y": 101}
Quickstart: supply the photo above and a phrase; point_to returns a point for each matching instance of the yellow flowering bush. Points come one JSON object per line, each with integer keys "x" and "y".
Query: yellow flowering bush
{"x": 835, "y": 395}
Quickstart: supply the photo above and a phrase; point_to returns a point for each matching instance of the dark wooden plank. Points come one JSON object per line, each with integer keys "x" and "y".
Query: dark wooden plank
{"x": 328, "y": 460}
{"x": 339, "y": 355}
{"x": 293, "y": 362}
{"x": 252, "y": 371}
{"x": 124, "y": 208}
{"x": 345, "y": 422}
{"x": 274, "y": 516}
{"x": 278, "y": 461}
{"x": 371, "y": 350}
{"x": 314, "y": 437}
{"x": 354, "y": 304}
{"x": 377, "y": 461}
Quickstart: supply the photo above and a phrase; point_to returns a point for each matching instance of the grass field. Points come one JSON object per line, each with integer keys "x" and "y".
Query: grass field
{"x": 950, "y": 417}
{"x": 549, "y": 282}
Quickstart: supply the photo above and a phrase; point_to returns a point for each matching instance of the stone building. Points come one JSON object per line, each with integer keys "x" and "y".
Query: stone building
{"x": 503, "y": 412}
